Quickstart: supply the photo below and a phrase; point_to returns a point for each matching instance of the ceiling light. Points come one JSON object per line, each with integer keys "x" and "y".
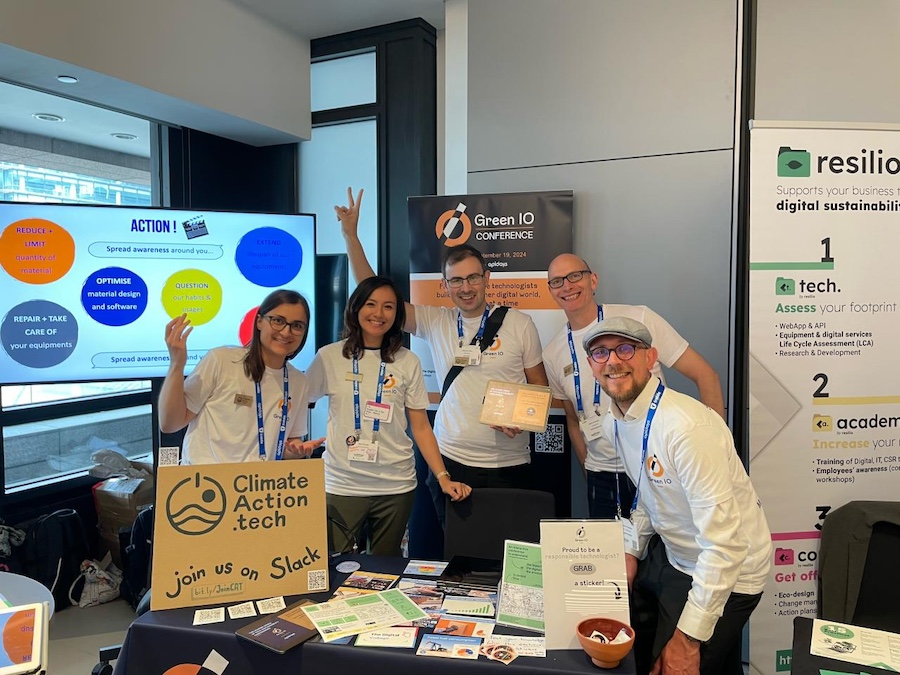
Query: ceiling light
{"x": 67, "y": 79}
{"x": 123, "y": 136}
{"x": 48, "y": 117}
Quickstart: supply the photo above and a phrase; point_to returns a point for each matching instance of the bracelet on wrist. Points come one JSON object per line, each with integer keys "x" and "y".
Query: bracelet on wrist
{"x": 442, "y": 474}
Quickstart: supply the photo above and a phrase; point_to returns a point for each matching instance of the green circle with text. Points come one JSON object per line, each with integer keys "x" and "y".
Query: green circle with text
{"x": 838, "y": 632}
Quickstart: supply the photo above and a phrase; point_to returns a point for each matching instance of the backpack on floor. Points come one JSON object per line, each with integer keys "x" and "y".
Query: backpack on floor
{"x": 56, "y": 546}
{"x": 136, "y": 558}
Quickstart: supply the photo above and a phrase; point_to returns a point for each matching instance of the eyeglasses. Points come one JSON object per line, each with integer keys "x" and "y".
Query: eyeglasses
{"x": 624, "y": 351}
{"x": 472, "y": 279}
{"x": 279, "y": 322}
{"x": 572, "y": 277}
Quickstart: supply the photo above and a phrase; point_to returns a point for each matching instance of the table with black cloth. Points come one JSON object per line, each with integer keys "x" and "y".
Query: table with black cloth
{"x": 161, "y": 640}
{"x": 804, "y": 663}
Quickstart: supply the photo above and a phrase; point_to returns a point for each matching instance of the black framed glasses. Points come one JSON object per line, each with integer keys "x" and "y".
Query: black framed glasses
{"x": 572, "y": 277}
{"x": 279, "y": 322}
{"x": 472, "y": 280}
{"x": 624, "y": 351}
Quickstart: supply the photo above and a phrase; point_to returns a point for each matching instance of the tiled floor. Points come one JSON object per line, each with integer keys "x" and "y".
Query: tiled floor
{"x": 77, "y": 634}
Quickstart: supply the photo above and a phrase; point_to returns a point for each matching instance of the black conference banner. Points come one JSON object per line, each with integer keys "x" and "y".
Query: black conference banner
{"x": 517, "y": 233}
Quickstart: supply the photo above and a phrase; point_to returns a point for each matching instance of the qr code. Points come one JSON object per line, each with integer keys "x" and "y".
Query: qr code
{"x": 169, "y": 456}
{"x": 317, "y": 580}
{"x": 551, "y": 440}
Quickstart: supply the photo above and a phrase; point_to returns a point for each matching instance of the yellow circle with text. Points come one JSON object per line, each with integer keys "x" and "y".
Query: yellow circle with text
{"x": 193, "y": 292}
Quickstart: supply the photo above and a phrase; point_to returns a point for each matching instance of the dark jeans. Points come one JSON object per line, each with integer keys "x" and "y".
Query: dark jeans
{"x": 601, "y": 494}
{"x": 518, "y": 476}
{"x": 657, "y": 599}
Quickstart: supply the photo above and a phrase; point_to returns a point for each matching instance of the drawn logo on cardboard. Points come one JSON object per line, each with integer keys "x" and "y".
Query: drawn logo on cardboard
{"x": 196, "y": 505}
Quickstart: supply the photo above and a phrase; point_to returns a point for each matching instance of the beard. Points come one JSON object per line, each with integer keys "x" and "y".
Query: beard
{"x": 626, "y": 396}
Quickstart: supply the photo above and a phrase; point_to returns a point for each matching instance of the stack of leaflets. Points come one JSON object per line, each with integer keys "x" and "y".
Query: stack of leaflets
{"x": 364, "y": 583}
{"x": 471, "y": 573}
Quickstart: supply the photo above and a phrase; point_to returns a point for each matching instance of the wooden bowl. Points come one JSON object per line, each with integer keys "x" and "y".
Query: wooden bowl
{"x": 604, "y": 655}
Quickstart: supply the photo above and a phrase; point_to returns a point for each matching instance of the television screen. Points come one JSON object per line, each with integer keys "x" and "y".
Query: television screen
{"x": 87, "y": 291}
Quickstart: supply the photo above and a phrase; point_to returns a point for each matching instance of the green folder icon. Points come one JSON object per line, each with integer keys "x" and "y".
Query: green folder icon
{"x": 784, "y": 286}
{"x": 793, "y": 163}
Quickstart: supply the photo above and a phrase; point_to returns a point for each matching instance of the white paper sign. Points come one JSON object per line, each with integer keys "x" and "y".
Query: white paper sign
{"x": 584, "y": 576}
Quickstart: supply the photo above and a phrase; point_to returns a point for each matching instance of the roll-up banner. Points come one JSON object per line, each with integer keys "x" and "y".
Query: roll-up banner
{"x": 824, "y": 399}
{"x": 518, "y": 234}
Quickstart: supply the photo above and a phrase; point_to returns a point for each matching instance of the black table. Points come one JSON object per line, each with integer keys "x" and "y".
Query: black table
{"x": 159, "y": 641}
{"x": 804, "y": 663}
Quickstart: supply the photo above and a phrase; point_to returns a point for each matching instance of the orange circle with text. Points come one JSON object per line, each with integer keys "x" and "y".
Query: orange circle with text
{"x": 18, "y": 635}
{"x": 36, "y": 251}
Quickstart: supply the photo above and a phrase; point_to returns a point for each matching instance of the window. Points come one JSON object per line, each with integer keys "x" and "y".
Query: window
{"x": 50, "y": 431}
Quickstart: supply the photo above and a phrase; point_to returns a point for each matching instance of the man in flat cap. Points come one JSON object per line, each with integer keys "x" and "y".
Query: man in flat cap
{"x": 698, "y": 582}
{"x": 573, "y": 285}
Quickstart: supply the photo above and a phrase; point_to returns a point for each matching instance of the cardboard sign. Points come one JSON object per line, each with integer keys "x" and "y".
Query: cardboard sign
{"x": 225, "y": 533}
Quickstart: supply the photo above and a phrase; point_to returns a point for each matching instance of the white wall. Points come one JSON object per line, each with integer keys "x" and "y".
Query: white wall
{"x": 827, "y": 60}
{"x": 176, "y": 57}
{"x": 632, "y": 106}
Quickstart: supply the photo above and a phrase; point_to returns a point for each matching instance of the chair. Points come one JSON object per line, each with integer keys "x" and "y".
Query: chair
{"x": 859, "y": 550}
{"x": 478, "y": 526}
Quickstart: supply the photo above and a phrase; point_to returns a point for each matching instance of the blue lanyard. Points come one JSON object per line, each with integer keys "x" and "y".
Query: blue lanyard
{"x": 480, "y": 333}
{"x": 576, "y": 371}
{"x": 279, "y": 448}
{"x": 357, "y": 417}
{"x": 651, "y": 413}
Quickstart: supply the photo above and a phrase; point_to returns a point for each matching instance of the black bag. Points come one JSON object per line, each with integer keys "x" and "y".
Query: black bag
{"x": 56, "y": 547}
{"x": 136, "y": 559}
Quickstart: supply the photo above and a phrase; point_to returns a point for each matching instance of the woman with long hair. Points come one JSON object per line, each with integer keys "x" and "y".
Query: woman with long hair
{"x": 375, "y": 392}
{"x": 231, "y": 387}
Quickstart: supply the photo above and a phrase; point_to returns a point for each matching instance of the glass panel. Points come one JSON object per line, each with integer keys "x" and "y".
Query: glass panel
{"x": 342, "y": 82}
{"x": 334, "y": 158}
{"x": 53, "y": 449}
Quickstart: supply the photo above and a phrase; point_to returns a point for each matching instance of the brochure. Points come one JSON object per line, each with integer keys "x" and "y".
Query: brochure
{"x": 425, "y": 568}
{"x": 522, "y": 587}
{"x": 454, "y": 624}
{"x": 855, "y": 644}
{"x": 351, "y": 616}
{"x": 401, "y": 637}
{"x": 461, "y": 604}
{"x": 281, "y": 632}
{"x": 449, "y": 646}
{"x": 370, "y": 581}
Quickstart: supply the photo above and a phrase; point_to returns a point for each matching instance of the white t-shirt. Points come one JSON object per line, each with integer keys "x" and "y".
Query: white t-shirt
{"x": 601, "y": 454}
{"x": 394, "y": 471}
{"x": 224, "y": 400}
{"x": 694, "y": 492}
{"x": 516, "y": 347}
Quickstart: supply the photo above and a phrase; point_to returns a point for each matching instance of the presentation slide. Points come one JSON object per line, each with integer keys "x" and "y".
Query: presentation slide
{"x": 87, "y": 291}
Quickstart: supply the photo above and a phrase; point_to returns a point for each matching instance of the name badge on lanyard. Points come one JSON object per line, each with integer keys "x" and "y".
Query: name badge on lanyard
{"x": 591, "y": 426}
{"x": 469, "y": 355}
{"x": 367, "y": 450}
{"x": 364, "y": 451}
{"x": 630, "y": 533}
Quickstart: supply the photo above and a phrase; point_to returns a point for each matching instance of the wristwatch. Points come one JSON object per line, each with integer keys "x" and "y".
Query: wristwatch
{"x": 691, "y": 638}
